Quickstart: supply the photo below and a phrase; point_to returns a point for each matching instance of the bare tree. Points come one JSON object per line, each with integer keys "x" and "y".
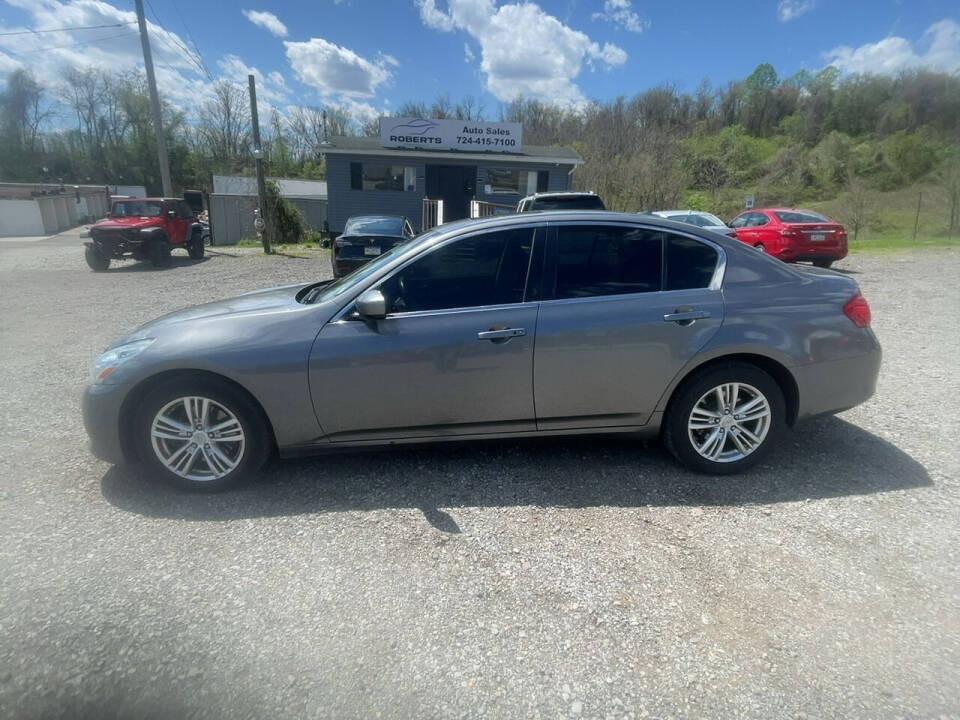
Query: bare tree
{"x": 225, "y": 123}
{"x": 858, "y": 206}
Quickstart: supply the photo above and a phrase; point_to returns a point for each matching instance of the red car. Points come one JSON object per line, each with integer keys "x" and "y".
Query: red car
{"x": 791, "y": 234}
{"x": 146, "y": 229}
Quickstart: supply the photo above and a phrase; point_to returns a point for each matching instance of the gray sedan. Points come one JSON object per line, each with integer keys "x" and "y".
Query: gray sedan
{"x": 541, "y": 324}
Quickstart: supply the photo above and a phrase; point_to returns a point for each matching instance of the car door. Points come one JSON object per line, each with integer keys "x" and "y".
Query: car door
{"x": 453, "y": 356}
{"x": 173, "y": 224}
{"x": 624, "y": 309}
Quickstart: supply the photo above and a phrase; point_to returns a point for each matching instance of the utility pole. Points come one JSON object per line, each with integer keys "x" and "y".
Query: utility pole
{"x": 154, "y": 102}
{"x": 258, "y": 156}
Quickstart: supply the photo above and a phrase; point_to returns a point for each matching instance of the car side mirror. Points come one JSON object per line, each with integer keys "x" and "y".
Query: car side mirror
{"x": 372, "y": 304}
{"x": 171, "y": 213}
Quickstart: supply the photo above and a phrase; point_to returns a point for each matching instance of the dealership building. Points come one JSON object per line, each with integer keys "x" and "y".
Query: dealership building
{"x": 436, "y": 171}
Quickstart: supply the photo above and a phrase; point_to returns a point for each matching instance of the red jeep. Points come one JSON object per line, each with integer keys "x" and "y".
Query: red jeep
{"x": 146, "y": 229}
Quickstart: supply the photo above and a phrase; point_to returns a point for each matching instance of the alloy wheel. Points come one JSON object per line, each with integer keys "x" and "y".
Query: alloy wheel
{"x": 729, "y": 422}
{"x": 197, "y": 438}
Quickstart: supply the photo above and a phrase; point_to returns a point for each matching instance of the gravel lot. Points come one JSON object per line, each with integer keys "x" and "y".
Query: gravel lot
{"x": 562, "y": 578}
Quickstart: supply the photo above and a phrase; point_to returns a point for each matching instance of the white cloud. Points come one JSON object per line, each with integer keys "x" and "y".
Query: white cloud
{"x": 621, "y": 13}
{"x": 110, "y": 49}
{"x": 117, "y": 49}
{"x": 524, "y": 50}
{"x": 788, "y": 10}
{"x": 468, "y": 55}
{"x": 893, "y": 54}
{"x": 267, "y": 20}
{"x": 337, "y": 71}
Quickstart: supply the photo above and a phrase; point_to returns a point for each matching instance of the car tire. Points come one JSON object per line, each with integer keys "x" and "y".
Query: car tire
{"x": 823, "y": 263}
{"x": 160, "y": 253}
{"x": 97, "y": 260}
{"x": 204, "y": 463}
{"x": 195, "y": 248}
{"x": 689, "y": 432}
{"x": 760, "y": 247}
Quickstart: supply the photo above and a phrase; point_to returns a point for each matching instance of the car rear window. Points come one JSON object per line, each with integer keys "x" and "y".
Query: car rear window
{"x": 573, "y": 202}
{"x": 690, "y": 264}
{"x": 373, "y": 226}
{"x": 800, "y": 216}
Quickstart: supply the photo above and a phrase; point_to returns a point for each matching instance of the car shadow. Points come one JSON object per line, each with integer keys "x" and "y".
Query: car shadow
{"x": 821, "y": 459}
{"x": 146, "y": 266}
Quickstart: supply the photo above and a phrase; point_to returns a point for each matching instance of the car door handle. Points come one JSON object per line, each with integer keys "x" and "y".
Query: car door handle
{"x": 504, "y": 334}
{"x": 685, "y": 317}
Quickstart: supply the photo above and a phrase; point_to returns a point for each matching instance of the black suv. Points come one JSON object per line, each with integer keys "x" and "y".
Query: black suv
{"x": 560, "y": 201}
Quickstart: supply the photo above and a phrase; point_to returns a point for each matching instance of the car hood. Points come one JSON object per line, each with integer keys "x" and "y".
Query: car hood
{"x": 271, "y": 300}
{"x": 126, "y": 222}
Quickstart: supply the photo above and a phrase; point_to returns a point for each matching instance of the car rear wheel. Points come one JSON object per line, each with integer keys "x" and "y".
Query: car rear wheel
{"x": 97, "y": 260}
{"x": 725, "y": 419}
{"x": 201, "y": 435}
{"x": 823, "y": 263}
{"x": 160, "y": 253}
{"x": 196, "y": 248}
{"x": 760, "y": 247}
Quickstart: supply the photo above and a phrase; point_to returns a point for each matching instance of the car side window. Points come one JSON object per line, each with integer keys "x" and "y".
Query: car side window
{"x": 186, "y": 211}
{"x": 486, "y": 269}
{"x": 690, "y": 263}
{"x": 594, "y": 260}
{"x": 740, "y": 221}
{"x": 758, "y": 219}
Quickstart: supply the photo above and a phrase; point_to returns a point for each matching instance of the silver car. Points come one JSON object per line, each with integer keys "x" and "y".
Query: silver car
{"x": 551, "y": 323}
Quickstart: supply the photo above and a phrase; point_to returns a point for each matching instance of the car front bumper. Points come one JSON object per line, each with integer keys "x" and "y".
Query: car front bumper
{"x": 101, "y": 418}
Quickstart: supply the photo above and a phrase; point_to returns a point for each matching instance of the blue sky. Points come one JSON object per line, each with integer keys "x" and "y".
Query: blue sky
{"x": 372, "y": 55}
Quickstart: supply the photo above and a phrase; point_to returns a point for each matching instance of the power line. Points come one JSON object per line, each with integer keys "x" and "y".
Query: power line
{"x": 62, "y": 47}
{"x": 66, "y": 29}
{"x": 196, "y": 47}
{"x": 171, "y": 38}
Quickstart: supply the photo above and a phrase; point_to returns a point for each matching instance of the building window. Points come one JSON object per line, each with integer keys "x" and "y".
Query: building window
{"x": 373, "y": 176}
{"x": 515, "y": 182}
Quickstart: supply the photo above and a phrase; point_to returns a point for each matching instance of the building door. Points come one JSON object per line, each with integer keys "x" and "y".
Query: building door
{"x": 456, "y": 185}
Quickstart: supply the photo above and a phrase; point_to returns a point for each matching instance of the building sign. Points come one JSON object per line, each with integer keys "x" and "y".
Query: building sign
{"x": 396, "y": 132}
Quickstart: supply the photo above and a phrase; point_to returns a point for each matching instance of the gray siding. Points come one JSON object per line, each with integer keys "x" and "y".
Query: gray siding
{"x": 231, "y": 216}
{"x": 345, "y": 202}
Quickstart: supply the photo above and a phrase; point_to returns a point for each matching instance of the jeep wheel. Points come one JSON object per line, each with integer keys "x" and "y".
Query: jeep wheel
{"x": 97, "y": 260}
{"x": 195, "y": 246}
{"x": 160, "y": 253}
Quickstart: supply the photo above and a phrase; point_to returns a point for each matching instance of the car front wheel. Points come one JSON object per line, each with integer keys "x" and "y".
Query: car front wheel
{"x": 160, "y": 253}
{"x": 725, "y": 419}
{"x": 97, "y": 260}
{"x": 201, "y": 435}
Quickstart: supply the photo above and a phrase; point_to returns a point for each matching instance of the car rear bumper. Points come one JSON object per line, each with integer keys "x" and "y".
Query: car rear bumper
{"x": 342, "y": 266}
{"x": 101, "y": 419}
{"x": 832, "y": 387}
{"x": 809, "y": 254}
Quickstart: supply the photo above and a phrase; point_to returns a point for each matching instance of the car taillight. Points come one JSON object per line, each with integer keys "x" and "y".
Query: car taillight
{"x": 789, "y": 232}
{"x": 858, "y": 310}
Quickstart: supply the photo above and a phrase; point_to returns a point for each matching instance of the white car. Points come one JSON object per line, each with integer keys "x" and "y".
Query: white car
{"x": 699, "y": 218}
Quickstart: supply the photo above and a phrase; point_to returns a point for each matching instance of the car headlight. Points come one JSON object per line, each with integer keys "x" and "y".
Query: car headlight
{"x": 114, "y": 358}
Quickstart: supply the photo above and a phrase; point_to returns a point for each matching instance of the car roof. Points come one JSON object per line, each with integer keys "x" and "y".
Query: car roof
{"x": 587, "y": 216}
{"x": 562, "y": 193}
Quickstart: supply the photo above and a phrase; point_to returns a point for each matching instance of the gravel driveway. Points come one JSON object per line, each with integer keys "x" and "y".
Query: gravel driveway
{"x": 555, "y": 578}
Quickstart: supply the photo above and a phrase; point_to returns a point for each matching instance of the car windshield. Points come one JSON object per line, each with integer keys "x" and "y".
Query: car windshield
{"x": 569, "y": 202}
{"x": 800, "y": 216}
{"x": 374, "y": 226}
{"x": 138, "y": 208}
{"x": 344, "y": 284}
{"x": 700, "y": 219}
